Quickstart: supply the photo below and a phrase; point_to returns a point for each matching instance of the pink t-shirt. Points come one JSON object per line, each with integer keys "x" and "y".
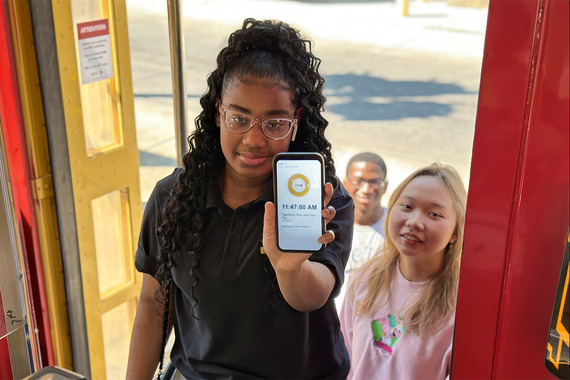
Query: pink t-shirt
{"x": 380, "y": 346}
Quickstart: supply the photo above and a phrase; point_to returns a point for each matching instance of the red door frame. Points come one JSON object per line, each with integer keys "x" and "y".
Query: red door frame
{"x": 518, "y": 203}
{"x": 18, "y": 165}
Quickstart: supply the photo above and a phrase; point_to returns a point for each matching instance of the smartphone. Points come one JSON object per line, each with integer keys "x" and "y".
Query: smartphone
{"x": 298, "y": 186}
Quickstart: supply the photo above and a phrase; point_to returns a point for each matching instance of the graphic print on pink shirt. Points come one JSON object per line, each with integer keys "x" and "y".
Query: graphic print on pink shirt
{"x": 386, "y": 332}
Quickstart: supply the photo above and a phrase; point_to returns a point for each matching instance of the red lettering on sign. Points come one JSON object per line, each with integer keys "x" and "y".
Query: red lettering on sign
{"x": 92, "y": 29}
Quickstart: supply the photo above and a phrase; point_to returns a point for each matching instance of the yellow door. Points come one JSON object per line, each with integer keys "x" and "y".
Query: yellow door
{"x": 96, "y": 179}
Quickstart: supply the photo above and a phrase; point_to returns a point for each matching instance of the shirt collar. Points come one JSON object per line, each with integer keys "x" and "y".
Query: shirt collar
{"x": 214, "y": 195}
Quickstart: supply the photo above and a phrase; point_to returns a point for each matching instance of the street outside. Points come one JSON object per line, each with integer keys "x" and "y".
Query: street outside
{"x": 403, "y": 87}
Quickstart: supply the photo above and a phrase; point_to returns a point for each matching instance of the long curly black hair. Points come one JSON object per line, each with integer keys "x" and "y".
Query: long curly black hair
{"x": 260, "y": 49}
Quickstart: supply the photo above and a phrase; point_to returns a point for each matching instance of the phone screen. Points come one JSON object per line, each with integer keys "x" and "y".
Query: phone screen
{"x": 298, "y": 186}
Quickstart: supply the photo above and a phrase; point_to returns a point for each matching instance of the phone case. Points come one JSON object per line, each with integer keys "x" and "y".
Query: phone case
{"x": 298, "y": 215}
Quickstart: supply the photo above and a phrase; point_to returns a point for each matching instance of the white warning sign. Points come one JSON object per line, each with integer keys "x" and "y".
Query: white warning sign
{"x": 95, "y": 56}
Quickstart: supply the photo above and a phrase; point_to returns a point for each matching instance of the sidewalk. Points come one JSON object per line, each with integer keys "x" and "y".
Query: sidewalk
{"x": 367, "y": 47}
{"x": 430, "y": 27}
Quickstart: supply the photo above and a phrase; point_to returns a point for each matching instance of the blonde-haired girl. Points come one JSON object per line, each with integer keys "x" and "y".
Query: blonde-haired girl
{"x": 398, "y": 316}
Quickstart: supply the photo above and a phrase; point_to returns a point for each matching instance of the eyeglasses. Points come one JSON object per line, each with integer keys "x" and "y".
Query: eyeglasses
{"x": 375, "y": 183}
{"x": 275, "y": 129}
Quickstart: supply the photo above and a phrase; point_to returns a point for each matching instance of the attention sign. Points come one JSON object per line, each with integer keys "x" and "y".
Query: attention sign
{"x": 95, "y": 56}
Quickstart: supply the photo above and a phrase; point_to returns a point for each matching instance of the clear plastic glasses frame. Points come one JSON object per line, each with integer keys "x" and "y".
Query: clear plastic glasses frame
{"x": 275, "y": 129}
{"x": 375, "y": 183}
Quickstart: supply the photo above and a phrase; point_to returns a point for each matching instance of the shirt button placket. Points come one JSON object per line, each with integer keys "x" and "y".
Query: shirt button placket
{"x": 233, "y": 247}
{"x": 234, "y": 239}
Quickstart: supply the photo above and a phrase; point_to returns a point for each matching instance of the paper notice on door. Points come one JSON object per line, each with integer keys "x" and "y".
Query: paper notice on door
{"x": 95, "y": 58}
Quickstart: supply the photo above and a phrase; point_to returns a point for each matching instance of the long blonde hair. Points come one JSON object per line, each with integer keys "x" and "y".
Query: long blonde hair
{"x": 439, "y": 295}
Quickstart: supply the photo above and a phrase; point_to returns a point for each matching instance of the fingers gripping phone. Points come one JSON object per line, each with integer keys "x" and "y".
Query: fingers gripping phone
{"x": 298, "y": 185}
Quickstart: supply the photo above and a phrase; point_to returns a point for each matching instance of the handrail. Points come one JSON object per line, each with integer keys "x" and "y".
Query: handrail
{"x": 176, "y": 34}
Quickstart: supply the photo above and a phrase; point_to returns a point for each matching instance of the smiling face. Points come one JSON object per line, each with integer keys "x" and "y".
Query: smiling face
{"x": 422, "y": 221}
{"x": 366, "y": 197}
{"x": 249, "y": 155}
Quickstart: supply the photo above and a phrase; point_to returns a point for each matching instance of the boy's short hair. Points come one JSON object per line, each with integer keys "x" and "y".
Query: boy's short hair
{"x": 367, "y": 157}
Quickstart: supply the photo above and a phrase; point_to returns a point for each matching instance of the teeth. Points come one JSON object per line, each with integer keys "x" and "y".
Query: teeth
{"x": 409, "y": 237}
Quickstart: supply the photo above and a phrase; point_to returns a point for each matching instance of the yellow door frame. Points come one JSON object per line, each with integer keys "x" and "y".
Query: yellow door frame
{"x": 42, "y": 181}
{"x": 96, "y": 188}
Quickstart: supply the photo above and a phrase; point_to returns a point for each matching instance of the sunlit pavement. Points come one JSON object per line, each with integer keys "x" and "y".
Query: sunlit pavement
{"x": 404, "y": 87}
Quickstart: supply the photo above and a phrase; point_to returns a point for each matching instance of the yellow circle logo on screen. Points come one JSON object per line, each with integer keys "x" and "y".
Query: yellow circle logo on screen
{"x": 298, "y": 185}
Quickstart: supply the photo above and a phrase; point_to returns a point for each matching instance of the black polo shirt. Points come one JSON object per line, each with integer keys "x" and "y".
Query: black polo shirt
{"x": 243, "y": 327}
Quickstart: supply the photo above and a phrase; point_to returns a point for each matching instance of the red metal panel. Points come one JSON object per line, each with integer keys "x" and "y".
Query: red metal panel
{"x": 517, "y": 215}
{"x": 541, "y": 223}
{"x": 502, "y": 95}
{"x": 5, "y": 363}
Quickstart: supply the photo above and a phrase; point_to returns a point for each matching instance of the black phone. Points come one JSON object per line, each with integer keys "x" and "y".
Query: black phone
{"x": 299, "y": 186}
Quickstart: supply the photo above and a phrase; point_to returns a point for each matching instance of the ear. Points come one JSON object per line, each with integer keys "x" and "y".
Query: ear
{"x": 453, "y": 238}
{"x": 345, "y": 182}
{"x": 385, "y": 188}
{"x": 298, "y": 114}
{"x": 218, "y": 102}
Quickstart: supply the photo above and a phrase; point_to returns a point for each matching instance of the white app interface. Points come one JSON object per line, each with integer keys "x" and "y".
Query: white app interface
{"x": 299, "y": 204}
